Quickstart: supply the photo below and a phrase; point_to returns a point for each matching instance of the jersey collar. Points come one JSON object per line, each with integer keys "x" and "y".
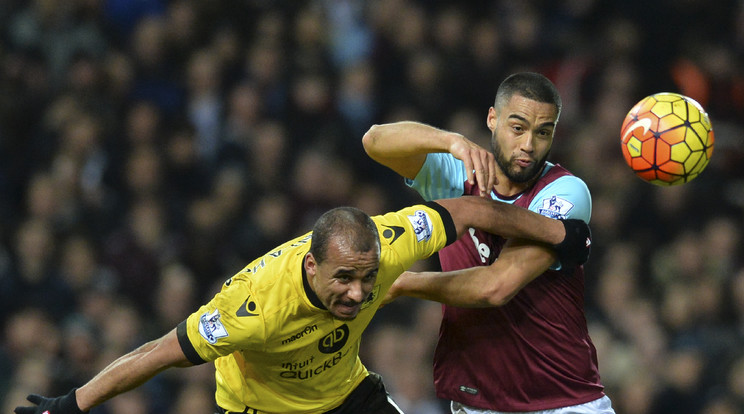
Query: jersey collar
{"x": 311, "y": 296}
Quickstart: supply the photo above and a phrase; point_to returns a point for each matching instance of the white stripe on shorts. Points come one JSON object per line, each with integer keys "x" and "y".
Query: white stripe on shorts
{"x": 600, "y": 406}
{"x": 390, "y": 400}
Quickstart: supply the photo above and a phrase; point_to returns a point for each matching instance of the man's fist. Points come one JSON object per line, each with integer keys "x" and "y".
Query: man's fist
{"x": 66, "y": 404}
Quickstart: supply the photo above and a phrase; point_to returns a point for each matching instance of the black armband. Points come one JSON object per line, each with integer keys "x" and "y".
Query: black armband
{"x": 575, "y": 248}
{"x": 449, "y": 224}
{"x": 186, "y": 346}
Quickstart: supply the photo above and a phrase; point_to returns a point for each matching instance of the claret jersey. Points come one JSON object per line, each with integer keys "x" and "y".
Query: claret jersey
{"x": 534, "y": 353}
{"x": 275, "y": 347}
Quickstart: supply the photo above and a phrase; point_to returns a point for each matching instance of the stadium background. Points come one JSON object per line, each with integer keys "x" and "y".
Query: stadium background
{"x": 150, "y": 148}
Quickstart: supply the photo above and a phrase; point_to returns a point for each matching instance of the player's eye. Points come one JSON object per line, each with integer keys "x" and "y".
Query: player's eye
{"x": 545, "y": 133}
{"x": 343, "y": 277}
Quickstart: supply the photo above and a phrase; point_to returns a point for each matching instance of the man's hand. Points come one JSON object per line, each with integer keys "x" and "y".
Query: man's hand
{"x": 480, "y": 164}
{"x": 393, "y": 292}
{"x": 575, "y": 248}
{"x": 66, "y": 404}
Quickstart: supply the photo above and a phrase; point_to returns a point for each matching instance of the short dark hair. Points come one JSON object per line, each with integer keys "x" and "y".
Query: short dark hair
{"x": 532, "y": 86}
{"x": 350, "y": 223}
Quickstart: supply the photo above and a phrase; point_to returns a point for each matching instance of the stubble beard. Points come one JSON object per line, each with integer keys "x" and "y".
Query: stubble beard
{"x": 513, "y": 172}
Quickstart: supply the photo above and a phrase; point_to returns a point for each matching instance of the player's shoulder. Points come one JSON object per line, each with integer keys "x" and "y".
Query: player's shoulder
{"x": 563, "y": 195}
{"x": 416, "y": 218}
{"x": 559, "y": 177}
{"x": 275, "y": 275}
{"x": 421, "y": 224}
{"x": 571, "y": 184}
{"x": 441, "y": 176}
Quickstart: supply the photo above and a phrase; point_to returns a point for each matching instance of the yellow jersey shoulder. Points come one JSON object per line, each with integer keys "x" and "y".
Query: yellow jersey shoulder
{"x": 411, "y": 234}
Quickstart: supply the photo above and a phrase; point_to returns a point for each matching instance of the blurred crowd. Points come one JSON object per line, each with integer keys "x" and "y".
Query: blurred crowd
{"x": 150, "y": 149}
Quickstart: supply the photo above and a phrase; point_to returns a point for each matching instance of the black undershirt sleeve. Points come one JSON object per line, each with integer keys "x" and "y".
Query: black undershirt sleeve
{"x": 449, "y": 224}
{"x": 186, "y": 346}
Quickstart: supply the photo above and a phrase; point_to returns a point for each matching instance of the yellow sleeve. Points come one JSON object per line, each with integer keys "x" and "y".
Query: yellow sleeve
{"x": 231, "y": 321}
{"x": 415, "y": 233}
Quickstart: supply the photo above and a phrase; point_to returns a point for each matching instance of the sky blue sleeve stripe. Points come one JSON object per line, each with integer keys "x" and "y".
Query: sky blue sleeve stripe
{"x": 441, "y": 176}
{"x": 570, "y": 188}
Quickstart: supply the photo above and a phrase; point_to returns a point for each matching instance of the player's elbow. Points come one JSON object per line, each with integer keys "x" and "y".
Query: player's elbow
{"x": 496, "y": 294}
{"x": 498, "y": 299}
{"x": 369, "y": 140}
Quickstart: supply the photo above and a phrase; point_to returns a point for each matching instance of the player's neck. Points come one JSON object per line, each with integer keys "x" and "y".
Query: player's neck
{"x": 508, "y": 188}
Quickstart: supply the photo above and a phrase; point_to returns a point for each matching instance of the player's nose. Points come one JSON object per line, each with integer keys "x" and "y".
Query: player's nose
{"x": 356, "y": 291}
{"x": 527, "y": 141}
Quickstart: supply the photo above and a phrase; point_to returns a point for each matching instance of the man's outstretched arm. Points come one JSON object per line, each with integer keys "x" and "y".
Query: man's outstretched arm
{"x": 571, "y": 239}
{"x": 479, "y": 286}
{"x": 124, "y": 374}
{"x": 520, "y": 262}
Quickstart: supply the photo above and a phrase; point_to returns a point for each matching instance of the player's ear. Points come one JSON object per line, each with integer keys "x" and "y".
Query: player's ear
{"x": 492, "y": 118}
{"x": 311, "y": 265}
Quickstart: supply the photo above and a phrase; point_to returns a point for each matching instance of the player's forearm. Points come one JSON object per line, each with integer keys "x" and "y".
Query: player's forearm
{"x": 504, "y": 219}
{"x": 405, "y": 138}
{"x": 402, "y": 146}
{"x": 457, "y": 288}
{"x": 128, "y": 372}
{"x": 481, "y": 286}
{"x": 522, "y": 223}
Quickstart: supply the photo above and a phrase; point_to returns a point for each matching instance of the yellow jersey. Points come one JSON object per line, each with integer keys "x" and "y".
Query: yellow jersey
{"x": 275, "y": 347}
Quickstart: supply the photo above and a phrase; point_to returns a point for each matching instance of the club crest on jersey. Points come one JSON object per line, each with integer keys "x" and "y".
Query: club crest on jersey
{"x": 373, "y": 296}
{"x": 555, "y": 207}
{"x": 211, "y": 328}
{"x": 422, "y": 226}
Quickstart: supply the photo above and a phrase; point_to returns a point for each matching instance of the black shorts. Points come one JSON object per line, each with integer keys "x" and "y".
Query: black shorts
{"x": 369, "y": 397}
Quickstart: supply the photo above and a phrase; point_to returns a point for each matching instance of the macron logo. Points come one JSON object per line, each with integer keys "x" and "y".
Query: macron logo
{"x": 392, "y": 231}
{"x": 247, "y": 308}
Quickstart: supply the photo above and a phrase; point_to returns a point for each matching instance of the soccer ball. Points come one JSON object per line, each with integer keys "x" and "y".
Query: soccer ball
{"x": 667, "y": 139}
